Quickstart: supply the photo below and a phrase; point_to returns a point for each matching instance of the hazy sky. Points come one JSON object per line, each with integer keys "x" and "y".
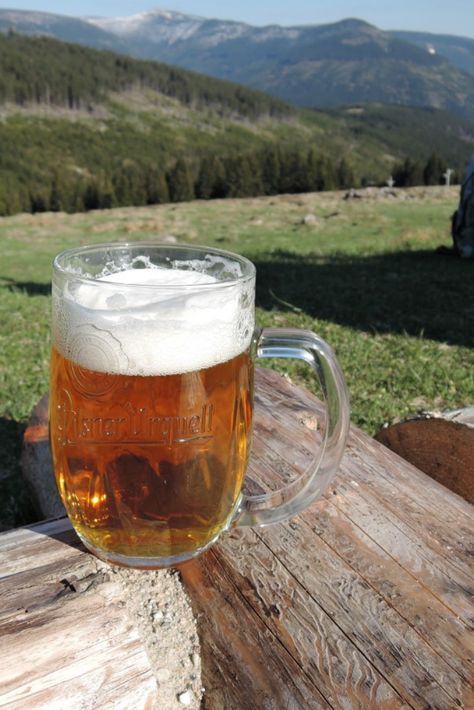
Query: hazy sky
{"x": 441, "y": 16}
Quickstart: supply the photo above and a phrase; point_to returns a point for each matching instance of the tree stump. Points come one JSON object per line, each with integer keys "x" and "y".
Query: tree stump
{"x": 440, "y": 445}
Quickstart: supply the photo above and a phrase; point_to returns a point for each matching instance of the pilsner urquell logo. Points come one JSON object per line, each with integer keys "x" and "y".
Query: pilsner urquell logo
{"x": 135, "y": 425}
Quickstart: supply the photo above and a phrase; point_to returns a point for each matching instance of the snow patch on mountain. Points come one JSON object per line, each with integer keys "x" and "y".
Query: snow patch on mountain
{"x": 266, "y": 34}
{"x": 155, "y": 24}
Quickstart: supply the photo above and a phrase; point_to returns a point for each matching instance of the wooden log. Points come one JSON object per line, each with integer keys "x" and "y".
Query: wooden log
{"x": 67, "y": 641}
{"x": 440, "y": 445}
{"x": 363, "y": 601}
{"x": 349, "y": 605}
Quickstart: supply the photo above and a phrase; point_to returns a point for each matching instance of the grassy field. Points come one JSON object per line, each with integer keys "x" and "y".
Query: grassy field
{"x": 363, "y": 273}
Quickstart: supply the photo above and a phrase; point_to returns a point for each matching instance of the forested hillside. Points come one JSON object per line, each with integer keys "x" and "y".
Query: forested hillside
{"x": 43, "y": 70}
{"x": 82, "y": 129}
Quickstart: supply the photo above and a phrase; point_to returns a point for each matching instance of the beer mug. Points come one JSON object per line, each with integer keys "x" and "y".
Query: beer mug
{"x": 151, "y": 405}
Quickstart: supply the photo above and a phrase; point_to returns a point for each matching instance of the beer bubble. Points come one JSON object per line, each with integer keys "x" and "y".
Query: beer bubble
{"x": 118, "y": 300}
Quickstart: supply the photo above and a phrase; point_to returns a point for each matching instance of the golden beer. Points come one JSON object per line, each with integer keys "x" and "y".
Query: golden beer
{"x": 150, "y": 466}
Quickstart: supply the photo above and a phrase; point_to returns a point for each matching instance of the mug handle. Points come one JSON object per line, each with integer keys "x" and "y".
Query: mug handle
{"x": 274, "y": 507}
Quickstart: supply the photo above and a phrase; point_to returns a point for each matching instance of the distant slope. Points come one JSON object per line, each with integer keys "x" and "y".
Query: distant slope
{"x": 457, "y": 50}
{"x": 413, "y": 132}
{"x": 315, "y": 65}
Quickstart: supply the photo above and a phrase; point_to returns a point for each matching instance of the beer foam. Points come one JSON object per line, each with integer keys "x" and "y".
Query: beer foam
{"x": 152, "y": 321}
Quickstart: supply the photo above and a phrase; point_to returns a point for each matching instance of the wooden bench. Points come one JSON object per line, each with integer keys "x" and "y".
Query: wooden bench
{"x": 362, "y": 601}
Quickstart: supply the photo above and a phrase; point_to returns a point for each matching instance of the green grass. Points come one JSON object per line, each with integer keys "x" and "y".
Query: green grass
{"x": 365, "y": 276}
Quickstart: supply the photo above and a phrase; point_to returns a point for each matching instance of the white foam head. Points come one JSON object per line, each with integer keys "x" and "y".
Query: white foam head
{"x": 152, "y": 321}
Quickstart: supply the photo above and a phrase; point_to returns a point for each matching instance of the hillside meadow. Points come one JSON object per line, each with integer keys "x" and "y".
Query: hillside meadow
{"x": 363, "y": 272}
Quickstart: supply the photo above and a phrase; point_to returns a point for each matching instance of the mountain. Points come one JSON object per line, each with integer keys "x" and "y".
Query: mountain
{"x": 68, "y": 29}
{"x": 316, "y": 66}
{"x": 83, "y": 128}
{"x": 326, "y": 65}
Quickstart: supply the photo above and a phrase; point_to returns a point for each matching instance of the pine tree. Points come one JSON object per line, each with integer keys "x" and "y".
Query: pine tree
{"x": 408, "y": 173}
{"x": 345, "y": 175}
{"x": 434, "y": 169}
{"x": 313, "y": 171}
{"x": 255, "y": 181}
{"x": 91, "y": 195}
{"x": 294, "y": 176}
{"x": 156, "y": 187}
{"x": 39, "y": 200}
{"x": 55, "y": 202}
{"x": 271, "y": 170}
{"x": 180, "y": 182}
{"x": 219, "y": 187}
{"x": 129, "y": 184}
{"x": 107, "y": 198}
{"x": 326, "y": 178}
{"x": 206, "y": 179}
{"x": 239, "y": 178}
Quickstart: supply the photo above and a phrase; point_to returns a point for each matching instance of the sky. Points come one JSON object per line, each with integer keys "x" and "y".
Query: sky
{"x": 438, "y": 16}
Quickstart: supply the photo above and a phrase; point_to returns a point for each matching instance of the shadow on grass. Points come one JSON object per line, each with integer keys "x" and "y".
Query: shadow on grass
{"x": 414, "y": 292}
{"x": 16, "y": 507}
{"x": 31, "y": 288}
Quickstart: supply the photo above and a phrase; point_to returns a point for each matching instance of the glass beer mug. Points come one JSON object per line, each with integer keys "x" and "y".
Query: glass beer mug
{"x": 153, "y": 353}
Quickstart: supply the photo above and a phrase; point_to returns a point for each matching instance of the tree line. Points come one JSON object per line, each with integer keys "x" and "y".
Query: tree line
{"x": 411, "y": 172}
{"x": 269, "y": 171}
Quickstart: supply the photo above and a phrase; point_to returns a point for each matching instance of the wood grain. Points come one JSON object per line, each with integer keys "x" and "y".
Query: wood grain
{"x": 66, "y": 639}
{"x": 369, "y": 590}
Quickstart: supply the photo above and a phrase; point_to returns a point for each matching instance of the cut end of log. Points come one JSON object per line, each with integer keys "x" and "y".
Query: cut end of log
{"x": 36, "y": 433}
{"x": 441, "y": 446}
{"x": 37, "y": 465}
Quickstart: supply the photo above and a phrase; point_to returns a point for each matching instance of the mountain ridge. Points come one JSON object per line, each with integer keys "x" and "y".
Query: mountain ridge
{"x": 315, "y": 65}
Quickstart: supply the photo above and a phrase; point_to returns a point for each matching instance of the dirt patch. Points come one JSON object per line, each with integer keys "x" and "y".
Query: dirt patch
{"x": 161, "y": 611}
{"x": 419, "y": 235}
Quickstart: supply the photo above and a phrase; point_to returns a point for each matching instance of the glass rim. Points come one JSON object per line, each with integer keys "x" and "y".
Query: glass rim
{"x": 248, "y": 268}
